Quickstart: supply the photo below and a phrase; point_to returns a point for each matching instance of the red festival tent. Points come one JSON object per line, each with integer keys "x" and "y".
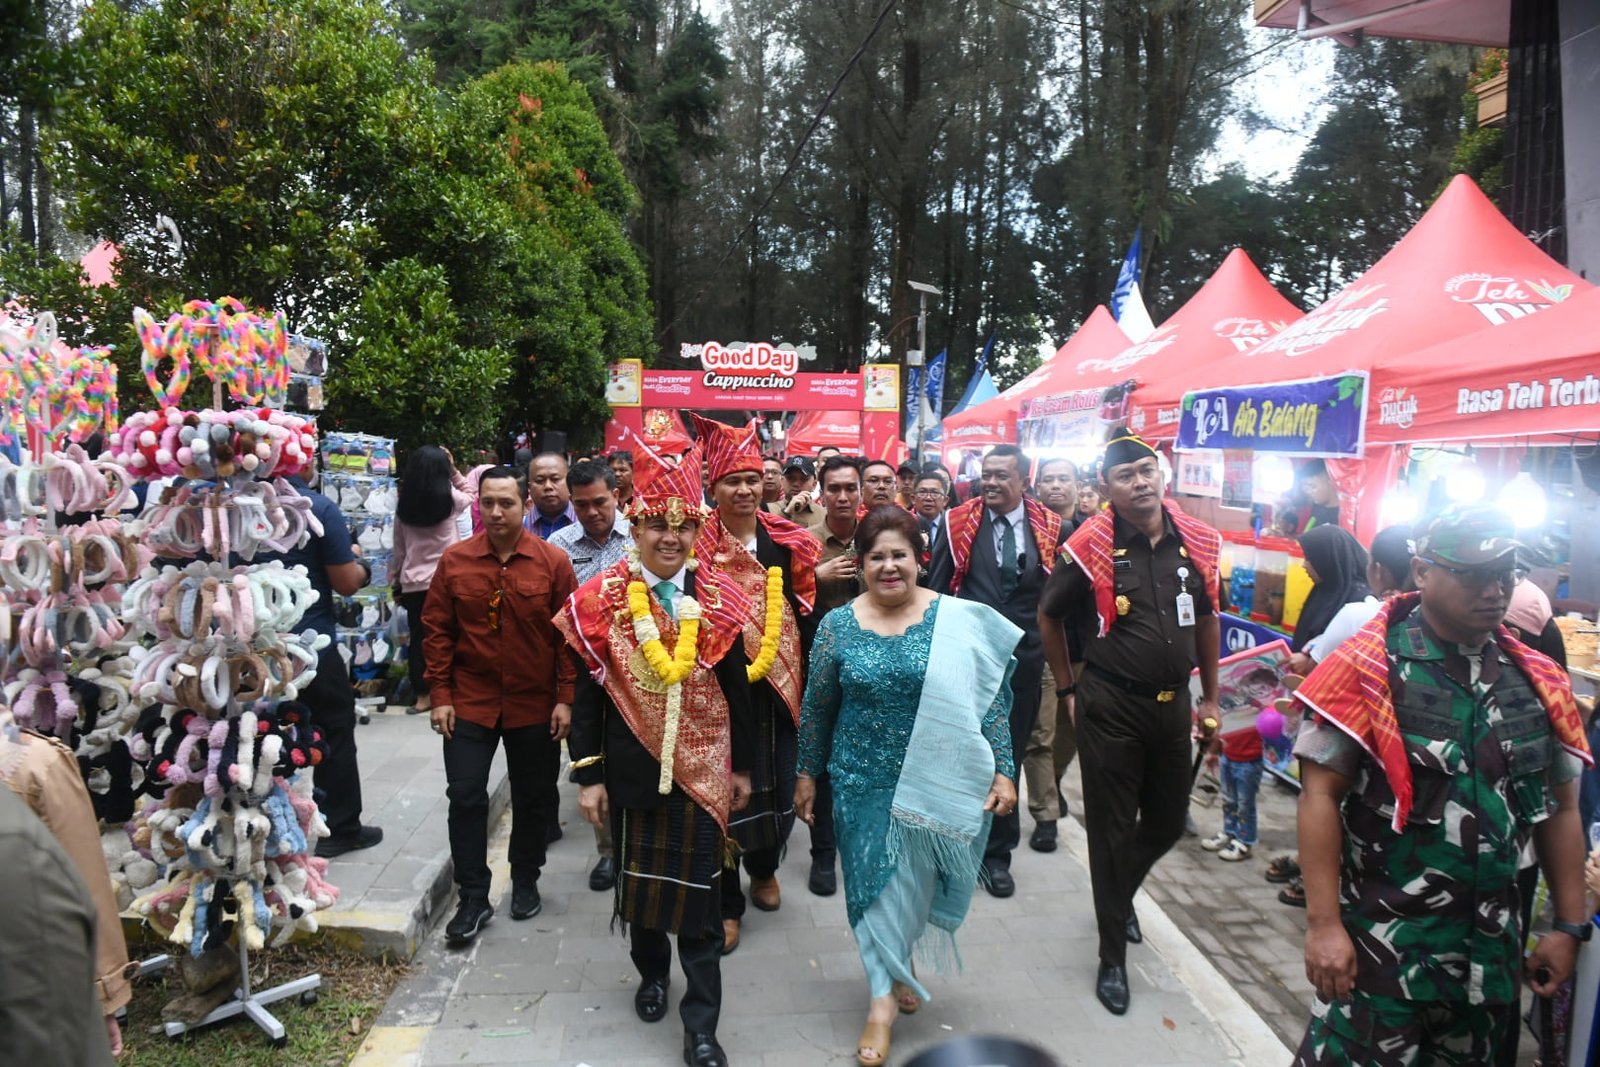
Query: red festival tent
{"x": 1233, "y": 312}
{"x": 1462, "y": 267}
{"x": 994, "y": 422}
{"x": 1536, "y": 376}
{"x": 812, "y": 430}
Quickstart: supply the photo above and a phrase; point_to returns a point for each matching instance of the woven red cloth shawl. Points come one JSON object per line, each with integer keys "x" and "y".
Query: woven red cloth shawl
{"x": 732, "y": 560}
{"x": 1350, "y": 689}
{"x": 962, "y": 522}
{"x": 597, "y": 624}
{"x": 1090, "y": 548}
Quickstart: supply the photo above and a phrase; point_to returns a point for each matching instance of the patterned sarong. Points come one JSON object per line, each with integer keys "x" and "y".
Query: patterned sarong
{"x": 670, "y": 861}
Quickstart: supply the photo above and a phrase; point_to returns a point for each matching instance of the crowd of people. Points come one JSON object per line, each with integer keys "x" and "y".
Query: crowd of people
{"x": 728, "y": 644}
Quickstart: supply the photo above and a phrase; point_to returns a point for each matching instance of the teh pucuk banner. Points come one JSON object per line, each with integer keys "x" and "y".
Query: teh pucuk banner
{"x": 1312, "y": 417}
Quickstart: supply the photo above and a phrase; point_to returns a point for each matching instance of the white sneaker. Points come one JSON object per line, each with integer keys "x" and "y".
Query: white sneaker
{"x": 1236, "y": 851}
{"x": 1217, "y": 841}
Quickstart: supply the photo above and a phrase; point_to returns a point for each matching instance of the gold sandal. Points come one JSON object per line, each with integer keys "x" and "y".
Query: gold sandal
{"x": 906, "y": 1000}
{"x": 873, "y": 1048}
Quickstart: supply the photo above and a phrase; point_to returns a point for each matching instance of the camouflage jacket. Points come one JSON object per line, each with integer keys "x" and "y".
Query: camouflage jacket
{"x": 1433, "y": 911}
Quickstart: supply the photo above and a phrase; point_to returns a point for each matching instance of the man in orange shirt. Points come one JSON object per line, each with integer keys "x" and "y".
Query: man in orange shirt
{"x": 499, "y": 671}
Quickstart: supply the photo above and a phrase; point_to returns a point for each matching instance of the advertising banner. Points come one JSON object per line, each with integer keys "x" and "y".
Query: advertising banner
{"x": 1199, "y": 473}
{"x": 1073, "y": 419}
{"x": 1312, "y": 417}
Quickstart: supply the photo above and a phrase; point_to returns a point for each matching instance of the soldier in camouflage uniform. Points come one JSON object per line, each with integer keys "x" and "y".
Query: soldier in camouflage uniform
{"x": 1413, "y": 940}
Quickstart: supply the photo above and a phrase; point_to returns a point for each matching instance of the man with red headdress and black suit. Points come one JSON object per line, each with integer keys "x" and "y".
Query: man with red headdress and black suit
{"x": 999, "y": 549}
{"x": 654, "y": 736}
{"x": 764, "y": 554}
{"x": 1146, "y": 575}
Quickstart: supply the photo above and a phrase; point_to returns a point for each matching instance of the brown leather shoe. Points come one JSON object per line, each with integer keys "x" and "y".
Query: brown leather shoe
{"x": 764, "y": 893}
{"x": 730, "y": 935}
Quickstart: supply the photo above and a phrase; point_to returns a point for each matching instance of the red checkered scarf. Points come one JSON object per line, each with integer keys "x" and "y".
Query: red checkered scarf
{"x": 1090, "y": 548}
{"x": 963, "y": 520}
{"x": 1350, "y": 689}
{"x": 804, "y": 551}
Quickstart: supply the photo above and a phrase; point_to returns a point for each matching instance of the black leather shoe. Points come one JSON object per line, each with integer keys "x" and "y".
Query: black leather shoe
{"x": 651, "y": 1000}
{"x": 470, "y": 918}
{"x": 365, "y": 837}
{"x": 824, "y": 881}
{"x": 1111, "y": 986}
{"x": 525, "y": 902}
{"x": 1135, "y": 935}
{"x": 702, "y": 1050}
{"x": 999, "y": 881}
{"x": 1043, "y": 838}
{"x": 553, "y": 832}
{"x": 604, "y": 875}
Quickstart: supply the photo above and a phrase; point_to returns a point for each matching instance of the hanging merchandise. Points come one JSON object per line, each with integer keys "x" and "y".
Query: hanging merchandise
{"x": 57, "y": 392}
{"x": 308, "y": 363}
{"x": 227, "y": 750}
{"x": 359, "y": 476}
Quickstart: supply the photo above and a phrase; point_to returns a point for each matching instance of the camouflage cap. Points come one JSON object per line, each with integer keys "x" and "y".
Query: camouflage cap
{"x": 1469, "y": 535}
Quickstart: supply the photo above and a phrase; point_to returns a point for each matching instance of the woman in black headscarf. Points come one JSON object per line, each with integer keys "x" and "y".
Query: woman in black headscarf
{"x": 1337, "y": 565}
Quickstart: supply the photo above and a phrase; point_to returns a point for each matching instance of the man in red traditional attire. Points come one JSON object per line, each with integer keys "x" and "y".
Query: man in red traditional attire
{"x": 748, "y": 544}
{"x": 999, "y": 550}
{"x": 654, "y": 736}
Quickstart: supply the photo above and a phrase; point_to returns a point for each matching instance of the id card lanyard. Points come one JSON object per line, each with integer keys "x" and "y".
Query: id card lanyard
{"x": 1185, "y": 602}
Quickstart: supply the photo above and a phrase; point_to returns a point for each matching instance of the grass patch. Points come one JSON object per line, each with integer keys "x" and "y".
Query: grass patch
{"x": 325, "y": 1034}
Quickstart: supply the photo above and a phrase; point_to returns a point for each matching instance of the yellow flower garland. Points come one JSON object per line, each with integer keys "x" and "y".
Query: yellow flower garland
{"x": 769, "y": 632}
{"x": 673, "y": 669}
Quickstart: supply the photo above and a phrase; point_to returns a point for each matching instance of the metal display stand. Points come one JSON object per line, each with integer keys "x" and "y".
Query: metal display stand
{"x": 253, "y": 1005}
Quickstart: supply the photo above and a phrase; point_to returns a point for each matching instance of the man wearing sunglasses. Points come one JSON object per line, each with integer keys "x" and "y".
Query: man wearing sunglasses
{"x": 1436, "y": 745}
{"x": 499, "y": 672}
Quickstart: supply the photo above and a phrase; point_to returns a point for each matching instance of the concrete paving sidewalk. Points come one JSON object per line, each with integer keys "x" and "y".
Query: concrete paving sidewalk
{"x": 557, "y": 990}
{"x": 390, "y": 895}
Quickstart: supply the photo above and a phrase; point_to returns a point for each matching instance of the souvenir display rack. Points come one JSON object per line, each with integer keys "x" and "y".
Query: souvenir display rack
{"x": 359, "y": 476}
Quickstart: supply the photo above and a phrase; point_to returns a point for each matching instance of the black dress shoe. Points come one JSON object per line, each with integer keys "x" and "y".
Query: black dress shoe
{"x": 651, "y": 1000}
{"x": 1135, "y": 935}
{"x": 525, "y": 902}
{"x": 604, "y": 875}
{"x": 1043, "y": 838}
{"x": 1111, "y": 986}
{"x": 469, "y": 920}
{"x": 365, "y": 837}
{"x": 999, "y": 881}
{"x": 824, "y": 881}
{"x": 553, "y": 832}
{"x": 702, "y": 1050}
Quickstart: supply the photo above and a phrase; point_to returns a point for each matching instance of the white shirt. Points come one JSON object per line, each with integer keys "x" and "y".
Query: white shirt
{"x": 1019, "y": 522}
{"x": 652, "y": 579}
{"x": 1342, "y": 627}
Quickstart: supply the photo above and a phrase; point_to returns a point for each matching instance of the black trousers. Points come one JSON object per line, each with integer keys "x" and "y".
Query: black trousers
{"x": 415, "y": 665}
{"x": 1006, "y": 830}
{"x": 701, "y": 961}
{"x": 824, "y": 846}
{"x": 533, "y": 759}
{"x": 764, "y": 862}
{"x": 333, "y": 711}
{"x": 1134, "y": 755}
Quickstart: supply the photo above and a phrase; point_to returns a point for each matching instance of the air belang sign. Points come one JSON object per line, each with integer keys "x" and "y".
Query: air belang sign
{"x": 753, "y": 366}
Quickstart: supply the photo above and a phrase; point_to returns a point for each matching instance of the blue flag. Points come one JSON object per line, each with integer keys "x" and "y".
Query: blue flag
{"x": 935, "y": 386}
{"x": 1127, "y": 277}
{"x": 913, "y": 386}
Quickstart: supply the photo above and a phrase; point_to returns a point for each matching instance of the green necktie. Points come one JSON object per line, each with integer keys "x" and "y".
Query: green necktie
{"x": 665, "y": 591}
{"x": 1008, "y": 557}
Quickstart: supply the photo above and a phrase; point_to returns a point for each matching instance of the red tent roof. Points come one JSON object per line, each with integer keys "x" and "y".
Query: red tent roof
{"x": 1463, "y": 266}
{"x": 1537, "y": 375}
{"x": 812, "y": 430}
{"x": 1233, "y": 312}
{"x": 994, "y": 421}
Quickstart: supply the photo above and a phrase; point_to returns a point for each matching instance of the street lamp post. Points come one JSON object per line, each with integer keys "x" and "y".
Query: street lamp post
{"x": 924, "y": 290}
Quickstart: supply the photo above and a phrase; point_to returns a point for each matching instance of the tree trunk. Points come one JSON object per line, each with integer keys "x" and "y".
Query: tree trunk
{"x": 27, "y": 153}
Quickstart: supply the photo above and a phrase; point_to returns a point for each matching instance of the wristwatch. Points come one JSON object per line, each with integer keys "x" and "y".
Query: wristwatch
{"x": 1066, "y": 691}
{"x": 1581, "y": 931}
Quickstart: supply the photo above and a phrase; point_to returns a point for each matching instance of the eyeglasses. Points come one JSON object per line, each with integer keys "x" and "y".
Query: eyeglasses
{"x": 935, "y": 493}
{"x": 1479, "y": 577}
{"x": 494, "y": 609}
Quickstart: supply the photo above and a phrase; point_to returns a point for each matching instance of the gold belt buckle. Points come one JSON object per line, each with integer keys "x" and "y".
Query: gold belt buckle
{"x": 1166, "y": 695}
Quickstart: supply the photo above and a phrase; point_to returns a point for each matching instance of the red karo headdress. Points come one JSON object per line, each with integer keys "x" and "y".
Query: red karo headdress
{"x": 659, "y": 489}
{"x": 728, "y": 449}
